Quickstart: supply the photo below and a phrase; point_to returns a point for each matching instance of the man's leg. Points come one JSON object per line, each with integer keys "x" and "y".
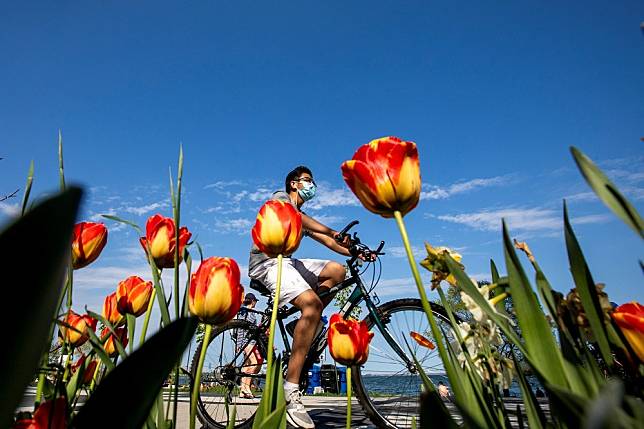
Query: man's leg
{"x": 332, "y": 274}
{"x": 311, "y": 307}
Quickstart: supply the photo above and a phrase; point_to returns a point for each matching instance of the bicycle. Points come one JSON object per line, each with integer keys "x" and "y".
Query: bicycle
{"x": 387, "y": 386}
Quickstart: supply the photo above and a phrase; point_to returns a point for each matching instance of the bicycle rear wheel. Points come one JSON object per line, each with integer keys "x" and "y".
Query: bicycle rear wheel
{"x": 224, "y": 365}
{"x": 386, "y": 387}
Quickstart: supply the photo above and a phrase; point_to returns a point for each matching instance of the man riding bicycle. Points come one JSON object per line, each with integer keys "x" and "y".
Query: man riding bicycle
{"x": 302, "y": 281}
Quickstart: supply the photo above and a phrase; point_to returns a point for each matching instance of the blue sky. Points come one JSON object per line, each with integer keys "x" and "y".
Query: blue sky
{"x": 492, "y": 93}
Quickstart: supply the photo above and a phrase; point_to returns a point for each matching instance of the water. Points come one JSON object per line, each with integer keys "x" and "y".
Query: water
{"x": 411, "y": 384}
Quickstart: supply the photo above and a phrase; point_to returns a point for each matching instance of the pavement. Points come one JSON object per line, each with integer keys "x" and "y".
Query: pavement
{"x": 326, "y": 411}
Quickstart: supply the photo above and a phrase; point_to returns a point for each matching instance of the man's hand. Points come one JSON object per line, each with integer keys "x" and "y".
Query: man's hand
{"x": 344, "y": 241}
{"x": 367, "y": 257}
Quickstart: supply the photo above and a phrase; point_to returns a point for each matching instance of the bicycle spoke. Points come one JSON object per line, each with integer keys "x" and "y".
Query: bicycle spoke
{"x": 392, "y": 388}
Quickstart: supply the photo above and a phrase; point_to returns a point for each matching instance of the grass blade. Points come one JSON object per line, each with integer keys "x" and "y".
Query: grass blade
{"x": 30, "y": 181}
{"x": 607, "y": 192}
{"x": 586, "y": 289}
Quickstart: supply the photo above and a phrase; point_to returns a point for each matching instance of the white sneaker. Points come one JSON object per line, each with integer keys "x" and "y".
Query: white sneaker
{"x": 296, "y": 414}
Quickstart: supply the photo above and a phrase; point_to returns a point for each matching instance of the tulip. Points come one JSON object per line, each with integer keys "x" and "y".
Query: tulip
{"x": 88, "y": 241}
{"x": 160, "y": 238}
{"x": 109, "y": 345}
{"x": 49, "y": 415}
{"x": 278, "y": 228}
{"x": 423, "y": 341}
{"x": 348, "y": 340}
{"x": 88, "y": 373}
{"x": 630, "y": 319}
{"x": 133, "y": 296}
{"x": 385, "y": 176}
{"x": 75, "y": 328}
{"x": 111, "y": 312}
{"x": 215, "y": 294}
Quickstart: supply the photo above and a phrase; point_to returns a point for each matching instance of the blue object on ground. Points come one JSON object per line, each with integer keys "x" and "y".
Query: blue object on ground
{"x": 314, "y": 379}
{"x": 342, "y": 378}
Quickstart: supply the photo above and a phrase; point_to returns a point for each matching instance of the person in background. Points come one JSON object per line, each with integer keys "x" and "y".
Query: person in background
{"x": 252, "y": 358}
{"x": 444, "y": 392}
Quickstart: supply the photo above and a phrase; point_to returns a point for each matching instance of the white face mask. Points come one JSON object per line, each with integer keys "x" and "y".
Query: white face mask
{"x": 308, "y": 191}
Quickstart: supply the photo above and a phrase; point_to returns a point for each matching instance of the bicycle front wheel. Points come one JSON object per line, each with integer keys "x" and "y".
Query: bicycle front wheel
{"x": 387, "y": 388}
{"x": 228, "y": 366}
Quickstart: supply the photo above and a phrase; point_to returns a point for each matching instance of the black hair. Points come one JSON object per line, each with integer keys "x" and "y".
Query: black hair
{"x": 294, "y": 174}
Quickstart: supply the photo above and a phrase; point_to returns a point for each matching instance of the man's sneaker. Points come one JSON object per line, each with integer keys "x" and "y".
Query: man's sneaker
{"x": 296, "y": 414}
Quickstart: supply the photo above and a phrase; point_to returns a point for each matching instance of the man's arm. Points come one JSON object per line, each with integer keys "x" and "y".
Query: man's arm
{"x": 330, "y": 243}
{"x": 314, "y": 226}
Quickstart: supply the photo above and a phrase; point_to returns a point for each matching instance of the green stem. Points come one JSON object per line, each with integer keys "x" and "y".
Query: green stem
{"x": 271, "y": 331}
{"x": 421, "y": 289}
{"x": 131, "y": 328}
{"x": 67, "y": 365}
{"x": 197, "y": 382}
{"x": 158, "y": 286}
{"x": 99, "y": 368}
{"x": 41, "y": 385}
{"x": 146, "y": 321}
{"x": 348, "y": 397}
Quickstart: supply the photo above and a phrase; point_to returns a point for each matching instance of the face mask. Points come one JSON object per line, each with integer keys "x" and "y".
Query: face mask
{"x": 307, "y": 192}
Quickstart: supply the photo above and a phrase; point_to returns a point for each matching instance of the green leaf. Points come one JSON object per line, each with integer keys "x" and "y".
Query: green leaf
{"x": 188, "y": 260}
{"x": 97, "y": 346}
{"x": 61, "y": 169}
{"x": 539, "y": 341}
{"x": 494, "y": 271}
{"x": 30, "y": 180}
{"x": 233, "y": 417}
{"x": 601, "y": 412}
{"x": 123, "y": 221}
{"x": 108, "y": 325}
{"x": 34, "y": 250}
{"x": 586, "y": 289}
{"x": 536, "y": 418}
{"x": 72, "y": 384}
{"x": 139, "y": 377}
{"x": 607, "y": 192}
{"x": 271, "y": 412}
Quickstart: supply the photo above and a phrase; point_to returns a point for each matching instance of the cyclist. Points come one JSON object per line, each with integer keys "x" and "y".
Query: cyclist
{"x": 302, "y": 281}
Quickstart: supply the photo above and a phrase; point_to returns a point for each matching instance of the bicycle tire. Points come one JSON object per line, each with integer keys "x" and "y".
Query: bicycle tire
{"x": 204, "y": 412}
{"x": 373, "y": 412}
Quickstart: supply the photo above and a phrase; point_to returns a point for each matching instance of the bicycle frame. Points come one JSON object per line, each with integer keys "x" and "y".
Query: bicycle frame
{"x": 358, "y": 295}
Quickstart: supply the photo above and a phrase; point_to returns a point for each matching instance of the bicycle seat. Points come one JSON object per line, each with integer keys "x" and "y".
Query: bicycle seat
{"x": 260, "y": 287}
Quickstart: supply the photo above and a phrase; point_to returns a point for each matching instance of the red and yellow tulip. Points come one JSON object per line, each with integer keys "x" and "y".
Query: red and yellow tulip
{"x": 49, "y": 415}
{"x": 88, "y": 373}
{"x": 215, "y": 294}
{"x": 348, "y": 340}
{"x": 88, "y": 241}
{"x": 111, "y": 311}
{"x": 160, "y": 237}
{"x": 74, "y": 329}
{"x": 278, "y": 228}
{"x": 630, "y": 319}
{"x": 385, "y": 176}
{"x": 133, "y": 296}
{"x": 109, "y": 345}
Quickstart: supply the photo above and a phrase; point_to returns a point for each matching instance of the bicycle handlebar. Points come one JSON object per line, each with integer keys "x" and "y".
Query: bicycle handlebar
{"x": 357, "y": 248}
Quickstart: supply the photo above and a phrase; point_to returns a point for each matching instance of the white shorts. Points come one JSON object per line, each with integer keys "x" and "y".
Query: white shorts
{"x": 298, "y": 276}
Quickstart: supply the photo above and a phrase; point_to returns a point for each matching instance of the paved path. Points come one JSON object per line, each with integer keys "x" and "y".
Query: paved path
{"x": 326, "y": 411}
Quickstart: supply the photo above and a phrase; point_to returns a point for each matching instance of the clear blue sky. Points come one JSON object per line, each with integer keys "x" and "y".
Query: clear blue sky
{"x": 493, "y": 93}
